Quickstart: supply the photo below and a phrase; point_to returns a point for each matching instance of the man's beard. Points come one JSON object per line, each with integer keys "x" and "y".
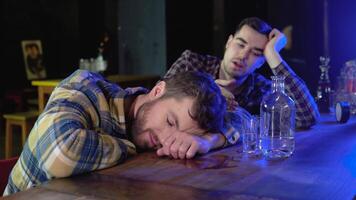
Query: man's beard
{"x": 139, "y": 124}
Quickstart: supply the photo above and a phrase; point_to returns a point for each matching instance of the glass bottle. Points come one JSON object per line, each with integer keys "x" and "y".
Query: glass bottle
{"x": 324, "y": 89}
{"x": 277, "y": 122}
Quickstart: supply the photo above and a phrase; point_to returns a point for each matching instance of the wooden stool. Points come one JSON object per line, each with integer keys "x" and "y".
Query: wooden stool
{"x": 23, "y": 119}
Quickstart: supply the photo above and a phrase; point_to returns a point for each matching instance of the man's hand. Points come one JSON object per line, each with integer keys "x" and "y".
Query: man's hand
{"x": 227, "y": 87}
{"x": 276, "y": 42}
{"x": 181, "y": 145}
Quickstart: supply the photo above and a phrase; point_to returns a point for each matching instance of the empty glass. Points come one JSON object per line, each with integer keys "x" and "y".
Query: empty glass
{"x": 250, "y": 136}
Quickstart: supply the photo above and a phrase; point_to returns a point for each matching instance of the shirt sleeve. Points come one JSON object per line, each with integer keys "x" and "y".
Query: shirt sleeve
{"x": 234, "y": 124}
{"x": 74, "y": 133}
{"x": 307, "y": 113}
{"x": 182, "y": 64}
{"x": 77, "y": 149}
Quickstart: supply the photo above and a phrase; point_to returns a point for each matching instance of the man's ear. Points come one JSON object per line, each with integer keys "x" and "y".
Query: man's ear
{"x": 231, "y": 37}
{"x": 158, "y": 90}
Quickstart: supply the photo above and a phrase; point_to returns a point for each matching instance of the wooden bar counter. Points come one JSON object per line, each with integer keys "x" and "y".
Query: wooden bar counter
{"x": 323, "y": 166}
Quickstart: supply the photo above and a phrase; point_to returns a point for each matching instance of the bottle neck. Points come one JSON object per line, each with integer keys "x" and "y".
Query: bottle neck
{"x": 277, "y": 84}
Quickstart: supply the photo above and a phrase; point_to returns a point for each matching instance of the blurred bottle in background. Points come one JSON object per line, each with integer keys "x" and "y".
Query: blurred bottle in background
{"x": 324, "y": 89}
{"x": 98, "y": 64}
{"x": 346, "y": 86}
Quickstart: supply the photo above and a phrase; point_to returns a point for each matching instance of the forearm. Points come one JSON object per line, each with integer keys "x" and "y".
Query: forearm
{"x": 215, "y": 140}
{"x": 86, "y": 149}
{"x": 70, "y": 147}
{"x": 77, "y": 133}
{"x": 273, "y": 59}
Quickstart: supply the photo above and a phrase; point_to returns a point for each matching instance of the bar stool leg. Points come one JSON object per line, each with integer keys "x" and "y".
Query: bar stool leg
{"x": 24, "y": 128}
{"x": 8, "y": 139}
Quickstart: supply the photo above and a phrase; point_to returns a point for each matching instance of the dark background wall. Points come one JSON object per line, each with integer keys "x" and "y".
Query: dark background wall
{"x": 142, "y": 37}
{"x": 189, "y": 26}
{"x": 27, "y": 20}
{"x": 68, "y": 30}
{"x": 71, "y": 29}
{"x": 306, "y": 18}
{"x": 342, "y": 33}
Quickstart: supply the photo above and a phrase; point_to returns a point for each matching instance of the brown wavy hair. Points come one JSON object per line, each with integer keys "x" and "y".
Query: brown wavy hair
{"x": 209, "y": 107}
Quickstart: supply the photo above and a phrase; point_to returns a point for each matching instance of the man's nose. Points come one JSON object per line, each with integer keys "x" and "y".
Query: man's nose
{"x": 244, "y": 54}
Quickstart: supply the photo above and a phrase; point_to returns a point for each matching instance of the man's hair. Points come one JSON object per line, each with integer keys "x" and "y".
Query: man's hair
{"x": 257, "y": 24}
{"x": 209, "y": 105}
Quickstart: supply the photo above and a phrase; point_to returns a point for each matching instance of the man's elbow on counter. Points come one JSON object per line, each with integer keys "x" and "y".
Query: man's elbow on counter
{"x": 59, "y": 166}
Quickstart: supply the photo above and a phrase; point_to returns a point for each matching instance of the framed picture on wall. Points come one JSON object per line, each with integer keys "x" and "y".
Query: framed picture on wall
{"x": 33, "y": 59}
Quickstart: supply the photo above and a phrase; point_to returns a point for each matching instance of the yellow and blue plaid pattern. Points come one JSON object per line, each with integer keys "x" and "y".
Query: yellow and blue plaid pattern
{"x": 83, "y": 128}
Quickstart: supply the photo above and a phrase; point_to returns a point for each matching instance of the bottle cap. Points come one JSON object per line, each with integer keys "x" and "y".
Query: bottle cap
{"x": 342, "y": 111}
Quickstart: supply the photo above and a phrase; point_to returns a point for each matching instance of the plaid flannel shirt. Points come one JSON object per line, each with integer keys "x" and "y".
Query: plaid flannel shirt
{"x": 255, "y": 86}
{"x": 83, "y": 128}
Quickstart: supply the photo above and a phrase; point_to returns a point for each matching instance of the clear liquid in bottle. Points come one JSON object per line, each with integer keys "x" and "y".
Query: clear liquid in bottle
{"x": 277, "y": 122}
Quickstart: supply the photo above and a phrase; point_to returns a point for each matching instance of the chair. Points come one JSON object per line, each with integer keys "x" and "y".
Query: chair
{"x": 23, "y": 119}
{"x": 5, "y": 169}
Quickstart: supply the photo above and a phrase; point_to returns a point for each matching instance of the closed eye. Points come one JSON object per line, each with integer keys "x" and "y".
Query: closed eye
{"x": 169, "y": 122}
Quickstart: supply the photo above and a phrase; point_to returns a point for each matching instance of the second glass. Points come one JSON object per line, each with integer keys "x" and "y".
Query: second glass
{"x": 250, "y": 137}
